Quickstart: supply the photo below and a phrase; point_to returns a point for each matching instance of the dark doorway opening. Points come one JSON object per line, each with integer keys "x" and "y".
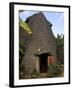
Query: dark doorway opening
{"x": 43, "y": 63}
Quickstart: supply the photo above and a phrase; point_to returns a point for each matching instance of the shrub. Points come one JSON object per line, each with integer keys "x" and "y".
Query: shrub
{"x": 54, "y": 70}
{"x": 35, "y": 74}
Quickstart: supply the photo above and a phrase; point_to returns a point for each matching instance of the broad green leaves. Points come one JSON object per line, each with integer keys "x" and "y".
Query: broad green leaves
{"x": 25, "y": 27}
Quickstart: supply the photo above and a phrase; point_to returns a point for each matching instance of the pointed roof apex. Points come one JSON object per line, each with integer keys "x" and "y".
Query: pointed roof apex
{"x": 39, "y": 13}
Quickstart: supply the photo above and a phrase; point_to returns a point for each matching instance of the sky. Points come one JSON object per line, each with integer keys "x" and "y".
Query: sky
{"x": 56, "y": 18}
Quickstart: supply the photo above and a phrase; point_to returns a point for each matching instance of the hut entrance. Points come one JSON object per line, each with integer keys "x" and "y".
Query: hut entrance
{"x": 44, "y": 60}
{"x": 43, "y": 63}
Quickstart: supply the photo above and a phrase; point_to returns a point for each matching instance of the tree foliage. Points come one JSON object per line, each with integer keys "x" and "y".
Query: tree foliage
{"x": 60, "y": 48}
{"x": 25, "y": 26}
{"x": 59, "y": 40}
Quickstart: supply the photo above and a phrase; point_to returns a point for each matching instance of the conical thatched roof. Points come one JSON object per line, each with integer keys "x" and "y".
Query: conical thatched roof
{"x": 42, "y": 36}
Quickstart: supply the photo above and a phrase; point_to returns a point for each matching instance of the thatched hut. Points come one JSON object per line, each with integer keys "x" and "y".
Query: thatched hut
{"x": 41, "y": 48}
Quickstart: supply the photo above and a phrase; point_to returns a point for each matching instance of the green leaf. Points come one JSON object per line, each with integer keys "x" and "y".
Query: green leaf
{"x": 25, "y": 27}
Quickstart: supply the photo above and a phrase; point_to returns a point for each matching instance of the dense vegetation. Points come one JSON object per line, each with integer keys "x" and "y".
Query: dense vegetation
{"x": 60, "y": 48}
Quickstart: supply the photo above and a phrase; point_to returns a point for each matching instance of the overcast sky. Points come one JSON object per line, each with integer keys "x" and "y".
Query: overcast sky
{"x": 56, "y": 18}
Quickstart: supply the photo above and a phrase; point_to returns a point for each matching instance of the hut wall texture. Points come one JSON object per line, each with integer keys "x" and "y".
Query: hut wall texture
{"x": 42, "y": 38}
